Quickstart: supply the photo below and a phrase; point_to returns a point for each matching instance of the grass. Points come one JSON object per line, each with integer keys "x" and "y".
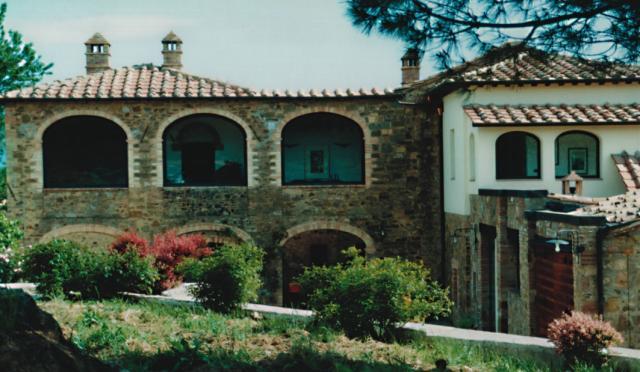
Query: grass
{"x": 151, "y": 336}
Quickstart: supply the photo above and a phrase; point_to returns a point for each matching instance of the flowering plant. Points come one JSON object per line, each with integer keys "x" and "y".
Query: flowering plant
{"x": 583, "y": 337}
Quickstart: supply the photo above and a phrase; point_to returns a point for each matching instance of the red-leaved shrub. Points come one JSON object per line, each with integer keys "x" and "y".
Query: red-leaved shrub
{"x": 170, "y": 249}
{"x": 583, "y": 338}
{"x": 131, "y": 240}
{"x": 167, "y": 249}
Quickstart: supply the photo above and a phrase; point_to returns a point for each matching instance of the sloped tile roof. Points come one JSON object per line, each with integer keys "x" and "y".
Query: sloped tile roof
{"x": 541, "y": 115}
{"x": 515, "y": 64}
{"x": 151, "y": 82}
{"x": 628, "y": 165}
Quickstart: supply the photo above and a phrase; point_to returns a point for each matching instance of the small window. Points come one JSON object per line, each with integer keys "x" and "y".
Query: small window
{"x": 517, "y": 156}
{"x": 172, "y": 46}
{"x": 577, "y": 151}
{"x": 97, "y": 48}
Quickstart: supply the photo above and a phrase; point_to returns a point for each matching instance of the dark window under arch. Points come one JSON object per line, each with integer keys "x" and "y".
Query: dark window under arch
{"x": 84, "y": 151}
{"x": 578, "y": 151}
{"x": 322, "y": 149}
{"x": 517, "y": 156}
{"x": 204, "y": 150}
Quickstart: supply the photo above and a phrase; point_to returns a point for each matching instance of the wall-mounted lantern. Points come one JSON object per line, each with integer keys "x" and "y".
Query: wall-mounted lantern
{"x": 572, "y": 184}
{"x": 567, "y": 241}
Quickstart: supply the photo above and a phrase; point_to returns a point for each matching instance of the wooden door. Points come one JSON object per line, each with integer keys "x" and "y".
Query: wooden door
{"x": 553, "y": 283}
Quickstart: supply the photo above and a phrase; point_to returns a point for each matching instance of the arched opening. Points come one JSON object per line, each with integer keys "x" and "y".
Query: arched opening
{"x": 517, "y": 156}
{"x": 204, "y": 150}
{"x": 320, "y": 247}
{"x": 84, "y": 151}
{"x": 322, "y": 149}
{"x": 577, "y": 151}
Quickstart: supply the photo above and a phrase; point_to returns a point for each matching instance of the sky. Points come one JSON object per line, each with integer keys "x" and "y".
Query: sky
{"x": 261, "y": 44}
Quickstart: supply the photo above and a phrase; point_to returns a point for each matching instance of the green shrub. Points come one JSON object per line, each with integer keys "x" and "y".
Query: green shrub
{"x": 61, "y": 267}
{"x": 370, "y": 298}
{"x": 226, "y": 279}
{"x": 10, "y": 236}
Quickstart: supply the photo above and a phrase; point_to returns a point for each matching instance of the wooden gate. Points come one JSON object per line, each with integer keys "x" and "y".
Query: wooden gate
{"x": 553, "y": 283}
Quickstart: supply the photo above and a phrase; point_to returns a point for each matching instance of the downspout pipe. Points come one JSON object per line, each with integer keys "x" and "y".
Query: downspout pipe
{"x": 600, "y": 235}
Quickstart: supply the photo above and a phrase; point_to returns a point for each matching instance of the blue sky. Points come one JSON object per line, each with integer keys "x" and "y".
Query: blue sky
{"x": 285, "y": 44}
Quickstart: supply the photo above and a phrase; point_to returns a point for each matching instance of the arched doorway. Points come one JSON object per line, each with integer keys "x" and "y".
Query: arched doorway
{"x": 320, "y": 247}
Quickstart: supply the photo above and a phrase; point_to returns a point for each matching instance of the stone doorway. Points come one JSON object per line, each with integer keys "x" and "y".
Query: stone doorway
{"x": 312, "y": 248}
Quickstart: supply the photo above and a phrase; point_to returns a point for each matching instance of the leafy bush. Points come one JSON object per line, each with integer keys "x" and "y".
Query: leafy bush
{"x": 370, "y": 298}
{"x": 583, "y": 338}
{"x": 62, "y": 267}
{"x": 167, "y": 251}
{"x": 170, "y": 250}
{"x": 10, "y": 236}
{"x": 228, "y": 278}
{"x": 131, "y": 240}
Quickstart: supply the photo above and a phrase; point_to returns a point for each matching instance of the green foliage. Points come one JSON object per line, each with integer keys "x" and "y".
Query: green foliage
{"x": 10, "y": 236}
{"x": 370, "y": 298}
{"x": 3, "y": 170}
{"x": 451, "y": 29}
{"x": 20, "y": 65}
{"x": 62, "y": 267}
{"x": 228, "y": 278}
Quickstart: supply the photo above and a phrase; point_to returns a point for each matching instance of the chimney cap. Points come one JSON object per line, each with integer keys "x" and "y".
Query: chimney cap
{"x": 171, "y": 38}
{"x": 97, "y": 38}
{"x": 411, "y": 53}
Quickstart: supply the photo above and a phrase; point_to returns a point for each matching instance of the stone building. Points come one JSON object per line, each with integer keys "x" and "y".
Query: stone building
{"x": 525, "y": 238}
{"x": 302, "y": 174}
{"x": 463, "y": 170}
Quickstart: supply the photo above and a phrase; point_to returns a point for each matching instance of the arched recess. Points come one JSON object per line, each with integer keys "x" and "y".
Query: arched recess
{"x": 222, "y": 233}
{"x": 317, "y": 243}
{"x": 92, "y": 235}
{"x": 517, "y": 156}
{"x": 322, "y": 149}
{"x": 368, "y": 140}
{"x": 250, "y": 139}
{"x": 370, "y": 248}
{"x": 38, "y": 156}
{"x": 579, "y": 151}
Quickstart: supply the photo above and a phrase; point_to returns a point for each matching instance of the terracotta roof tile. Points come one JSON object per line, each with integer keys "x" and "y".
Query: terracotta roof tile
{"x": 616, "y": 209}
{"x": 628, "y": 166}
{"x": 497, "y": 115}
{"x": 515, "y": 64}
{"x": 151, "y": 82}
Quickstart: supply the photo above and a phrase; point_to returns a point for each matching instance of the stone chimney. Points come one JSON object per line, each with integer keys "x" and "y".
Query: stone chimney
{"x": 410, "y": 66}
{"x": 97, "y": 53}
{"x": 172, "y": 51}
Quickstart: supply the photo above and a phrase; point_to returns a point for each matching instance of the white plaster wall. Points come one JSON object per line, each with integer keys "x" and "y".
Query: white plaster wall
{"x": 613, "y": 139}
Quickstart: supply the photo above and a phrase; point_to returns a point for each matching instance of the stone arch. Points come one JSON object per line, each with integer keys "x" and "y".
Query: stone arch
{"x": 37, "y": 143}
{"x": 196, "y": 227}
{"x": 370, "y": 247}
{"x": 250, "y": 138}
{"x": 88, "y": 230}
{"x": 276, "y": 137}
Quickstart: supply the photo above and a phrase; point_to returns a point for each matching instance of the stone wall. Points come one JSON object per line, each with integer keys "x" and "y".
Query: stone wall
{"x": 398, "y": 207}
{"x": 621, "y": 276}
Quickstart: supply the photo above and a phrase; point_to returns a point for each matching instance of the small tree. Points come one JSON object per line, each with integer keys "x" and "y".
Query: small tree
{"x": 228, "y": 278}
